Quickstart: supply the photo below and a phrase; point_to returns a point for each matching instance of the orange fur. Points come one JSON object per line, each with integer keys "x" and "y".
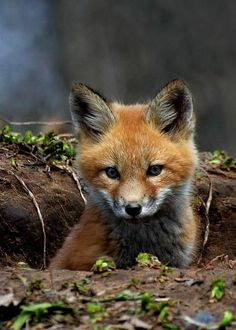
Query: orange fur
{"x": 86, "y": 243}
{"x": 131, "y": 143}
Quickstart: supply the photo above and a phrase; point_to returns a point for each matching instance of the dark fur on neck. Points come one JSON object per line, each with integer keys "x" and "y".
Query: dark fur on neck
{"x": 158, "y": 234}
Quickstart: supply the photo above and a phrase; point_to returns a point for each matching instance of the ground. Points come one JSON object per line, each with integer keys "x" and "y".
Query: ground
{"x": 117, "y": 300}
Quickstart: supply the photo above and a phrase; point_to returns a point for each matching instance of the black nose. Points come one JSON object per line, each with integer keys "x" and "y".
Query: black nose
{"x": 133, "y": 209}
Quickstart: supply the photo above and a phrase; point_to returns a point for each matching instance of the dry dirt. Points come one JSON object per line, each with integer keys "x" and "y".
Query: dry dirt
{"x": 189, "y": 290}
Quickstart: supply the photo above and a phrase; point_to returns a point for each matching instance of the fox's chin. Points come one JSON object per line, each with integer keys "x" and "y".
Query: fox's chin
{"x": 141, "y": 218}
{"x": 137, "y": 220}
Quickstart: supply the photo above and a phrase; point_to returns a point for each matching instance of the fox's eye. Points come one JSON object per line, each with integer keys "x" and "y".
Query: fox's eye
{"x": 112, "y": 173}
{"x": 154, "y": 170}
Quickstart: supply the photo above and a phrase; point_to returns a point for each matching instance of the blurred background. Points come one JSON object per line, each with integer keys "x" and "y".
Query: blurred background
{"x": 126, "y": 50}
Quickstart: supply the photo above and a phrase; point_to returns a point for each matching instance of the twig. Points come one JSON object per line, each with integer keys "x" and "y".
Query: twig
{"x": 37, "y": 209}
{"x": 231, "y": 263}
{"x": 209, "y": 199}
{"x": 207, "y": 207}
{"x": 76, "y": 179}
{"x": 207, "y": 223}
{"x": 12, "y": 155}
{"x": 213, "y": 261}
{"x": 48, "y": 123}
{"x": 67, "y": 135}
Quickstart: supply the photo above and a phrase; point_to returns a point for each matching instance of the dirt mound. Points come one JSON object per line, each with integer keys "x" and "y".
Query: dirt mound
{"x": 58, "y": 198}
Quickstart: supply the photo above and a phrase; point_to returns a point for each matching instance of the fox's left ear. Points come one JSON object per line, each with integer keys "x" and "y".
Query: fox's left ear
{"x": 171, "y": 111}
{"x": 90, "y": 111}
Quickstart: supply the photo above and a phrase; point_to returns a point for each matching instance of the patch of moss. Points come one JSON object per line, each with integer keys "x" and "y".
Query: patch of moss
{"x": 46, "y": 146}
{"x": 221, "y": 159}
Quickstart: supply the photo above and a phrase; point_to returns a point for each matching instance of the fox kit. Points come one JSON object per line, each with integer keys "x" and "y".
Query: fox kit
{"x": 138, "y": 162}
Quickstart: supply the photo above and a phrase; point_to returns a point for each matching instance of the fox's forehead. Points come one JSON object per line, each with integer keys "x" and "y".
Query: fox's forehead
{"x": 132, "y": 142}
{"x": 135, "y": 110}
{"x": 130, "y": 120}
{"x": 132, "y": 129}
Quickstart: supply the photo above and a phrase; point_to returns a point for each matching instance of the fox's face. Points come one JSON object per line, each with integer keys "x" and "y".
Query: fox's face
{"x": 135, "y": 157}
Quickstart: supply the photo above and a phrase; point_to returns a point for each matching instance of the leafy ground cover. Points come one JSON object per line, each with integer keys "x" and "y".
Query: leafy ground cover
{"x": 145, "y": 297}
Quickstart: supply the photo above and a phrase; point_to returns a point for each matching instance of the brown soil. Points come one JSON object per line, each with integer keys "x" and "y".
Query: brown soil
{"x": 190, "y": 289}
{"x": 217, "y": 187}
{"x": 58, "y": 198}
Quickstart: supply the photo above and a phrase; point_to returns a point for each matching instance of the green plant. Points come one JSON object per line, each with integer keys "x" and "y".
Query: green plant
{"x": 104, "y": 264}
{"x": 81, "y": 286}
{"x": 227, "y": 319}
{"x": 45, "y": 146}
{"x": 217, "y": 289}
{"x": 148, "y": 260}
{"x": 221, "y": 159}
{"x": 35, "y": 313}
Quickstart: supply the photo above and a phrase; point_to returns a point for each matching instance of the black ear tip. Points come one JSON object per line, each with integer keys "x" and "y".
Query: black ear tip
{"x": 83, "y": 89}
{"x": 178, "y": 84}
{"x": 178, "y": 81}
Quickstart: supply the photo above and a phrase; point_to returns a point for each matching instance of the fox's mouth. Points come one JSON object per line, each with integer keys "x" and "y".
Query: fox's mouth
{"x": 136, "y": 220}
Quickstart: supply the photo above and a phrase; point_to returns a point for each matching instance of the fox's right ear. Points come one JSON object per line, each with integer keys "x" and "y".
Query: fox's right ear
{"x": 90, "y": 111}
{"x": 172, "y": 110}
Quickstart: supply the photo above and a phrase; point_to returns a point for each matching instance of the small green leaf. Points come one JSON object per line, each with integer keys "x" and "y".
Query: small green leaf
{"x": 20, "y": 320}
{"x": 221, "y": 159}
{"x": 69, "y": 150}
{"x": 36, "y": 307}
{"x": 170, "y": 326}
{"x": 147, "y": 302}
{"x": 125, "y": 295}
{"x": 163, "y": 314}
{"x": 107, "y": 327}
{"x": 218, "y": 289}
{"x": 227, "y": 319}
{"x": 93, "y": 308}
{"x": 35, "y": 285}
{"x": 28, "y": 137}
{"x": 148, "y": 260}
{"x": 6, "y": 130}
{"x": 104, "y": 264}
{"x": 81, "y": 285}
{"x": 35, "y": 312}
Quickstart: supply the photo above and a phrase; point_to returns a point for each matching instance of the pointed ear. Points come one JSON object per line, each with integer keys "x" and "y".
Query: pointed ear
{"x": 171, "y": 111}
{"x": 89, "y": 110}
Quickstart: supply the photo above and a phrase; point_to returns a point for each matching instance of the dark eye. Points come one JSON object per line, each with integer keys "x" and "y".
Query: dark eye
{"x": 112, "y": 173}
{"x": 154, "y": 170}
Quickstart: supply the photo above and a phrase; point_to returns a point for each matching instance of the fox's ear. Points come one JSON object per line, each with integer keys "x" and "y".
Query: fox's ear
{"x": 172, "y": 109}
{"x": 89, "y": 110}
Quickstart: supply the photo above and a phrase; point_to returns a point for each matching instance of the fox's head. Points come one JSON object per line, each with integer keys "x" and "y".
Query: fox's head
{"x": 135, "y": 157}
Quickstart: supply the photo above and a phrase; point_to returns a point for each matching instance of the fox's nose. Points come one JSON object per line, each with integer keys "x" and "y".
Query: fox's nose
{"x": 133, "y": 209}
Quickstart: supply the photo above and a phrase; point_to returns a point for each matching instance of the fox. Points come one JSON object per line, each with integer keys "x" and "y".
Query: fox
{"x": 138, "y": 162}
